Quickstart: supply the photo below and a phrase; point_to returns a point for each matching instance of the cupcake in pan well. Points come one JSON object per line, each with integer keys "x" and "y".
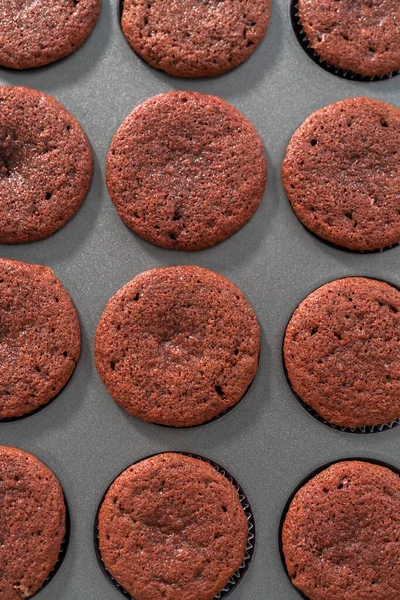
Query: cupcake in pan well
{"x": 354, "y": 38}
{"x": 186, "y": 170}
{"x": 340, "y": 534}
{"x": 341, "y": 352}
{"x": 195, "y": 38}
{"x": 46, "y": 165}
{"x": 40, "y": 337}
{"x": 38, "y": 33}
{"x": 174, "y": 527}
{"x": 177, "y": 346}
{"x": 33, "y": 523}
{"x": 341, "y": 173}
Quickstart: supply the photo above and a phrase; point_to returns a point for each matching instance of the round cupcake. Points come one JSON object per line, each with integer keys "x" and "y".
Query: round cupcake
{"x": 340, "y": 537}
{"x": 40, "y": 337}
{"x": 177, "y": 346}
{"x": 341, "y": 352}
{"x": 195, "y": 38}
{"x": 342, "y": 174}
{"x": 172, "y": 526}
{"x": 46, "y": 165}
{"x": 186, "y": 170}
{"x": 362, "y": 37}
{"x": 32, "y": 523}
{"x": 37, "y": 33}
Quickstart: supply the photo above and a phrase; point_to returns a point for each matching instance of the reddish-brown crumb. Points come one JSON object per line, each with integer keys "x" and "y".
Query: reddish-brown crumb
{"x": 37, "y": 33}
{"x": 186, "y": 170}
{"x": 341, "y": 534}
{"x": 172, "y": 528}
{"x": 342, "y": 173}
{"x": 40, "y": 338}
{"x": 195, "y": 38}
{"x": 362, "y": 36}
{"x": 177, "y": 345}
{"x": 46, "y": 165}
{"x": 342, "y": 348}
{"x": 32, "y": 523}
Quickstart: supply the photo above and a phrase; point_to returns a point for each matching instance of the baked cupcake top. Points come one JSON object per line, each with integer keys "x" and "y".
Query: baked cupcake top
{"x": 340, "y": 537}
{"x": 38, "y": 33}
{"x": 362, "y": 36}
{"x": 186, "y": 170}
{"x": 177, "y": 345}
{"x": 342, "y": 173}
{"x": 171, "y": 526}
{"x": 195, "y": 38}
{"x": 40, "y": 337}
{"x": 32, "y": 523}
{"x": 46, "y": 165}
{"x": 341, "y": 351}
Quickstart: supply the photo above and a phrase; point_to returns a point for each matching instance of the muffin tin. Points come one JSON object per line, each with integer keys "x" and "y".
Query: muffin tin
{"x": 268, "y": 441}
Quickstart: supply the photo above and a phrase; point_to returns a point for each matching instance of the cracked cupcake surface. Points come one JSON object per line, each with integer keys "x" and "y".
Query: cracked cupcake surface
{"x": 186, "y": 170}
{"x": 40, "y": 338}
{"x": 362, "y": 36}
{"x": 32, "y": 523}
{"x": 342, "y": 174}
{"x": 195, "y": 38}
{"x": 171, "y": 527}
{"x": 340, "y": 537}
{"x": 37, "y": 33}
{"x": 177, "y": 346}
{"x": 46, "y": 165}
{"x": 342, "y": 350}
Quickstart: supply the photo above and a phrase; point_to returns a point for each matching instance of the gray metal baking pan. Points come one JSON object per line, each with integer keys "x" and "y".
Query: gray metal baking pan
{"x": 268, "y": 442}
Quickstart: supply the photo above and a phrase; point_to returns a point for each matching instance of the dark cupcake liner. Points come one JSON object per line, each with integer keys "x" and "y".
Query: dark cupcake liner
{"x": 359, "y": 430}
{"x": 302, "y": 483}
{"x": 62, "y": 553}
{"x": 343, "y": 248}
{"x": 237, "y": 576}
{"x": 305, "y": 44}
{"x": 309, "y": 409}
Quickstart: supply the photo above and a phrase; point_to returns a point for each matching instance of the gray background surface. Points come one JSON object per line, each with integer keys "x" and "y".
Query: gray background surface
{"x": 268, "y": 442}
